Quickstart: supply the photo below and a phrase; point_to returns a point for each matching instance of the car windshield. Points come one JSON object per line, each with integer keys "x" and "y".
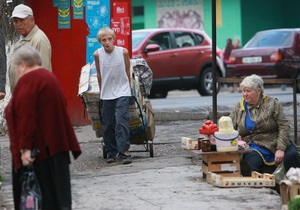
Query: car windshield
{"x": 270, "y": 39}
{"x": 137, "y": 38}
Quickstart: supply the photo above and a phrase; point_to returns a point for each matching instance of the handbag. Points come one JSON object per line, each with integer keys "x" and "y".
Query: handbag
{"x": 31, "y": 196}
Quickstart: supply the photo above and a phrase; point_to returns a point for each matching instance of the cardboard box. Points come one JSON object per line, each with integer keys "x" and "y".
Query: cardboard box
{"x": 151, "y": 123}
{"x": 223, "y": 163}
{"x": 189, "y": 143}
{"x": 91, "y": 97}
{"x": 84, "y": 79}
{"x": 256, "y": 180}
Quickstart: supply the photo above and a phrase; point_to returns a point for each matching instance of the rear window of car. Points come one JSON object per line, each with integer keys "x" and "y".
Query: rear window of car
{"x": 184, "y": 39}
{"x": 200, "y": 38}
{"x": 271, "y": 39}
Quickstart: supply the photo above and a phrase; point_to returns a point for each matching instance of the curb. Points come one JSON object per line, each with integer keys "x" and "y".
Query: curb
{"x": 175, "y": 115}
{"x": 202, "y": 113}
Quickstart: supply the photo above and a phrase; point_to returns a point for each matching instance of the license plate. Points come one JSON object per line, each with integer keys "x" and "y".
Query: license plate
{"x": 252, "y": 60}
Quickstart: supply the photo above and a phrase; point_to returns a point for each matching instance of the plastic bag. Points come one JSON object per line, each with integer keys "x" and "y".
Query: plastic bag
{"x": 31, "y": 197}
{"x": 279, "y": 173}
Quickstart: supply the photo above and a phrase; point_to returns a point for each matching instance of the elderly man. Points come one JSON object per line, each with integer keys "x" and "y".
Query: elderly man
{"x": 31, "y": 35}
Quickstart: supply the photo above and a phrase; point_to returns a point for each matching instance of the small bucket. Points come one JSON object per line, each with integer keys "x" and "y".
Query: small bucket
{"x": 226, "y": 141}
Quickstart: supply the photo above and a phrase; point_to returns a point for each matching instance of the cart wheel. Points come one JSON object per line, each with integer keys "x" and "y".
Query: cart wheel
{"x": 104, "y": 152}
{"x": 151, "y": 150}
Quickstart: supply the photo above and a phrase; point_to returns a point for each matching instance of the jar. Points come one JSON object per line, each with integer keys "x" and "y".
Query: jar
{"x": 205, "y": 145}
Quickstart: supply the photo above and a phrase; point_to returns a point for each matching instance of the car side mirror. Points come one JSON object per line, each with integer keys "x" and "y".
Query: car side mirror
{"x": 152, "y": 48}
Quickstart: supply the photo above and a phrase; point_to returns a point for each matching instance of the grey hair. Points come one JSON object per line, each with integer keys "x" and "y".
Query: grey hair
{"x": 254, "y": 81}
{"x": 104, "y": 32}
{"x": 26, "y": 54}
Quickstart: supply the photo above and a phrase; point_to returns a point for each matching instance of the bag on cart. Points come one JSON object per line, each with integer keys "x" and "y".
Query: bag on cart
{"x": 144, "y": 73}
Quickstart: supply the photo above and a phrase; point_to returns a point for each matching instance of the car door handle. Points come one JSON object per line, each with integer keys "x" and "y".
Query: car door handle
{"x": 173, "y": 55}
{"x": 200, "y": 52}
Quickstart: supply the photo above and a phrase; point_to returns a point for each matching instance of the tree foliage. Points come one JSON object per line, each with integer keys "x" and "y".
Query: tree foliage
{"x": 5, "y": 23}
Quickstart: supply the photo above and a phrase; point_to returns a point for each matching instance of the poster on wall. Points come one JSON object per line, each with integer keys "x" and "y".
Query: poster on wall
{"x": 179, "y": 14}
{"x": 55, "y": 3}
{"x": 121, "y": 24}
{"x": 97, "y": 16}
{"x": 64, "y": 14}
{"x": 78, "y": 9}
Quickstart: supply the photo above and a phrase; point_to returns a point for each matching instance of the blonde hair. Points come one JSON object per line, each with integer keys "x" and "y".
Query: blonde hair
{"x": 254, "y": 81}
{"x": 104, "y": 32}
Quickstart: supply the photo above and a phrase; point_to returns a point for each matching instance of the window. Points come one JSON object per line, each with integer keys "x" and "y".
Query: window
{"x": 271, "y": 39}
{"x": 138, "y": 11}
{"x": 184, "y": 39}
{"x": 162, "y": 39}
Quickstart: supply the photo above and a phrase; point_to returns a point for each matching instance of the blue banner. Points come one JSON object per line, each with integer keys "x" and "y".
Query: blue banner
{"x": 78, "y": 9}
{"x": 64, "y": 14}
{"x": 97, "y": 16}
{"x": 55, "y": 3}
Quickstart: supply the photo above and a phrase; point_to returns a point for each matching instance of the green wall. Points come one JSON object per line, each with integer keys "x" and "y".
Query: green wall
{"x": 138, "y": 22}
{"x": 150, "y": 14}
{"x": 230, "y": 21}
{"x": 291, "y": 14}
{"x": 260, "y": 15}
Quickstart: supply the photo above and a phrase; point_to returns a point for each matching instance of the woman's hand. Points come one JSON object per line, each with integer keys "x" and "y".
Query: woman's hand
{"x": 26, "y": 157}
{"x": 279, "y": 155}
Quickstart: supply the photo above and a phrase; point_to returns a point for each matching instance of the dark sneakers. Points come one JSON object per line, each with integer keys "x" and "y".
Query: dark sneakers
{"x": 127, "y": 160}
{"x": 125, "y": 157}
{"x": 110, "y": 159}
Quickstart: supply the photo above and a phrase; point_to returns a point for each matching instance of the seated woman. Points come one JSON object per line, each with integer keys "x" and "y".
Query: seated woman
{"x": 261, "y": 122}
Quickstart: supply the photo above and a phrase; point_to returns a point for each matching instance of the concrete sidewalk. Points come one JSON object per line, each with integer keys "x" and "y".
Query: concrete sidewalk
{"x": 166, "y": 182}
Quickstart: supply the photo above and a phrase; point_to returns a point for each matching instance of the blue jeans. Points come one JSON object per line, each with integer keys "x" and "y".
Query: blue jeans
{"x": 115, "y": 125}
{"x": 291, "y": 159}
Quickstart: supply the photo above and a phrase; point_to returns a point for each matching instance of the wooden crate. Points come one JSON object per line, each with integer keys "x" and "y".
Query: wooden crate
{"x": 256, "y": 180}
{"x": 288, "y": 191}
{"x": 223, "y": 163}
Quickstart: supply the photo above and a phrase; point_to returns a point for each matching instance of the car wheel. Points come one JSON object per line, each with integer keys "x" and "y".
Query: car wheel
{"x": 161, "y": 94}
{"x": 205, "y": 86}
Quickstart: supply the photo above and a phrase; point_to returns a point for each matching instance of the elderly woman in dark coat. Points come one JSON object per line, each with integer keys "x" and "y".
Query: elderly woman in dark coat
{"x": 261, "y": 122}
{"x": 37, "y": 118}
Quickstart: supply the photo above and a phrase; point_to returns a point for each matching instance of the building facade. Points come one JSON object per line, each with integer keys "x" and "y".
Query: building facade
{"x": 236, "y": 19}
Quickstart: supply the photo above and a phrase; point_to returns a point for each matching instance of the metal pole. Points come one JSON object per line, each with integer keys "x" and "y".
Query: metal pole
{"x": 214, "y": 62}
{"x": 295, "y": 112}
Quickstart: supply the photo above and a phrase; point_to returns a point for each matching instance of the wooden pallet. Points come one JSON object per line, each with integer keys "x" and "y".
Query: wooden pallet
{"x": 256, "y": 180}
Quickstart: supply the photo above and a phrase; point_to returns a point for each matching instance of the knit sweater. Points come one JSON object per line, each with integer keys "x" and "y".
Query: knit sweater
{"x": 272, "y": 129}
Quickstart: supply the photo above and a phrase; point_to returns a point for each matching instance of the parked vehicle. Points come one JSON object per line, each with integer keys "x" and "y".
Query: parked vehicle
{"x": 179, "y": 58}
{"x": 270, "y": 54}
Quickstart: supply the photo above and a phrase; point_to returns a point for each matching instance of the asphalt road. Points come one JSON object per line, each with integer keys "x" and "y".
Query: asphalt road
{"x": 191, "y": 99}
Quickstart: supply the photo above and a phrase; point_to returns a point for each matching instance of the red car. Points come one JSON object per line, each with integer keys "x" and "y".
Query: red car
{"x": 270, "y": 54}
{"x": 179, "y": 58}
